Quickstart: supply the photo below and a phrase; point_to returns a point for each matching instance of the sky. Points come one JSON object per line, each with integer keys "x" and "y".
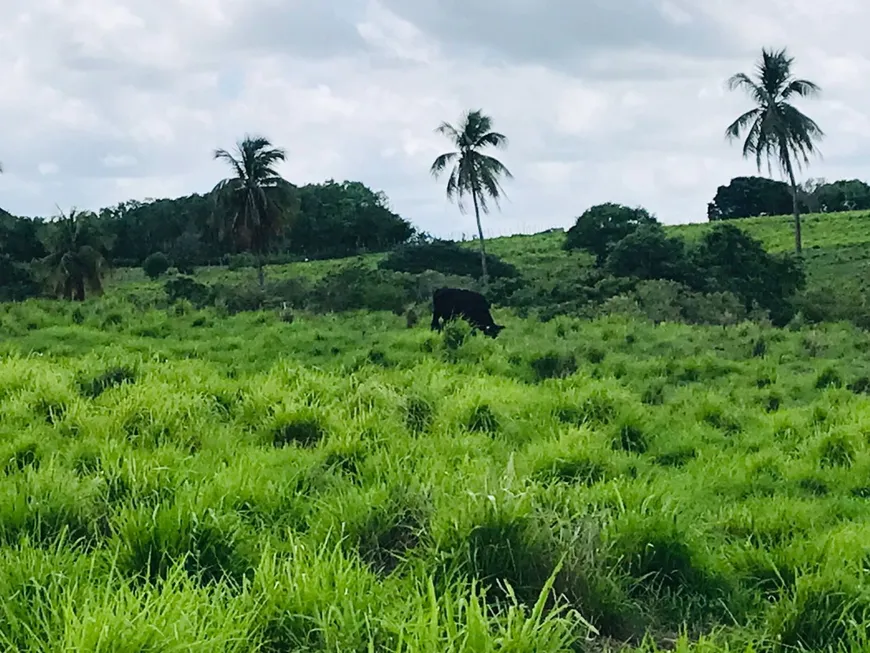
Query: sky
{"x": 601, "y": 100}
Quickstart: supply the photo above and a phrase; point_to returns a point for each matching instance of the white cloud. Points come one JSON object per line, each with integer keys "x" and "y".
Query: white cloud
{"x": 119, "y": 160}
{"x": 128, "y": 98}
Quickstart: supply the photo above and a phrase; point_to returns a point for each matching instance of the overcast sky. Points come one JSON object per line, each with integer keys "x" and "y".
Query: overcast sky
{"x": 602, "y": 100}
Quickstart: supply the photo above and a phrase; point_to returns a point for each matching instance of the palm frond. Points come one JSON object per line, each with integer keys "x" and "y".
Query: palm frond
{"x": 441, "y": 163}
{"x": 491, "y": 139}
{"x": 802, "y": 88}
{"x": 735, "y": 128}
{"x": 448, "y": 130}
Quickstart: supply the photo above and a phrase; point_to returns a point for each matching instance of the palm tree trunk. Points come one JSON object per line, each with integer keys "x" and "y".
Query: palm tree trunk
{"x": 797, "y": 216}
{"x": 480, "y": 235}
{"x": 261, "y": 277}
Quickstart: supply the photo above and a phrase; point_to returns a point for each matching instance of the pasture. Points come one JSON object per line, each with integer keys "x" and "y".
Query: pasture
{"x": 177, "y": 479}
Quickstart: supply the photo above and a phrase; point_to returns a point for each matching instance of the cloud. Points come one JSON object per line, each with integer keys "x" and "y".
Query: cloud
{"x": 108, "y": 100}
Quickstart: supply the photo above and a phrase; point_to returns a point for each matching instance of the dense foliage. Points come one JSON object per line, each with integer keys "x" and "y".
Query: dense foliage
{"x": 335, "y": 219}
{"x": 446, "y": 257}
{"x": 745, "y": 197}
{"x": 600, "y": 227}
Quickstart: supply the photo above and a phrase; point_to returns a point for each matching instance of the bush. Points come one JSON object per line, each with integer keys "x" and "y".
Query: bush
{"x": 155, "y": 265}
{"x": 845, "y": 301}
{"x": 729, "y": 260}
{"x": 357, "y": 287}
{"x": 648, "y": 253}
{"x": 446, "y": 257}
{"x": 241, "y": 261}
{"x": 198, "y": 294}
{"x": 600, "y": 227}
{"x": 17, "y": 282}
{"x": 240, "y": 298}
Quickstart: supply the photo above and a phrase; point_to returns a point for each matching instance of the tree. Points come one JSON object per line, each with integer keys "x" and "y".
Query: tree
{"x": 844, "y": 195}
{"x": 16, "y": 280}
{"x": 76, "y": 255}
{"x": 648, "y": 253}
{"x": 255, "y": 202}
{"x": 473, "y": 172}
{"x": 343, "y": 219}
{"x": 445, "y": 257}
{"x": 746, "y": 197}
{"x": 775, "y": 128}
{"x": 600, "y": 227}
{"x": 155, "y": 265}
{"x": 727, "y": 259}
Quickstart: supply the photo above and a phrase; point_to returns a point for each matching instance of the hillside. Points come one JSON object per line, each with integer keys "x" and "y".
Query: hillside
{"x": 836, "y": 245}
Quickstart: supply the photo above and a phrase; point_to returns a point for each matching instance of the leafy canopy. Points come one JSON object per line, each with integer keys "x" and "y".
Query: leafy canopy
{"x": 600, "y": 227}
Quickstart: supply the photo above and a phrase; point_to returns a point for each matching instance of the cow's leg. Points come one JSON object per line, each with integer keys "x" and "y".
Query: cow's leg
{"x": 436, "y": 321}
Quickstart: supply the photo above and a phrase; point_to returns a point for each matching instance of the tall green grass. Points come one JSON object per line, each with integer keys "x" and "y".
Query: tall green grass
{"x": 186, "y": 481}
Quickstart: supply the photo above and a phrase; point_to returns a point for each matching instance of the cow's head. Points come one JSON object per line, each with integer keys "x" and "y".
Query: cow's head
{"x": 493, "y": 330}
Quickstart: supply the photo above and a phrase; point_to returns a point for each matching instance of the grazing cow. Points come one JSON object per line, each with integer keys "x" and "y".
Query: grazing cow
{"x": 448, "y": 303}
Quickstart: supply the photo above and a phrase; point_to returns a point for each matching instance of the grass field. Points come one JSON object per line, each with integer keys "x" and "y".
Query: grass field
{"x": 836, "y": 248}
{"x": 180, "y": 480}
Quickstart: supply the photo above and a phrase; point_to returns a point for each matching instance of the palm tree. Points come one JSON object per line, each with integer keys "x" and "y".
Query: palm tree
{"x": 256, "y": 200}
{"x": 474, "y": 172}
{"x": 76, "y": 258}
{"x": 775, "y": 129}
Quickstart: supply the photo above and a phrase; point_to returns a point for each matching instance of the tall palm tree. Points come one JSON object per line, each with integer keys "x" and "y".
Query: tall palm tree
{"x": 775, "y": 128}
{"x": 77, "y": 255}
{"x": 256, "y": 201}
{"x": 474, "y": 173}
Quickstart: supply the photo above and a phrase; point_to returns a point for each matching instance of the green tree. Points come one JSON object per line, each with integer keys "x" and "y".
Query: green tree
{"x": 256, "y": 202}
{"x": 746, "y": 197}
{"x": 155, "y": 265}
{"x": 727, "y": 259}
{"x": 76, "y": 255}
{"x": 775, "y": 128}
{"x": 648, "y": 253}
{"x": 474, "y": 173}
{"x": 600, "y": 227}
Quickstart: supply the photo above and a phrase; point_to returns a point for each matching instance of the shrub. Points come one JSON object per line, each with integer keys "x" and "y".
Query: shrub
{"x": 446, "y": 257}
{"x": 648, "y": 253}
{"x": 241, "y": 261}
{"x": 357, "y": 287}
{"x": 240, "y": 298}
{"x": 155, "y": 265}
{"x": 198, "y": 294}
{"x": 843, "y": 301}
{"x": 600, "y": 227}
{"x": 729, "y": 260}
{"x": 17, "y": 281}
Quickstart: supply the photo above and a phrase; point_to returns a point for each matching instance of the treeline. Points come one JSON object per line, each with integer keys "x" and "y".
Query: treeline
{"x": 334, "y": 219}
{"x": 636, "y": 268}
{"x": 746, "y": 197}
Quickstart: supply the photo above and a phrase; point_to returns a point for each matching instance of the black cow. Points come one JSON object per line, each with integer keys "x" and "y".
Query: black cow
{"x": 448, "y": 303}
